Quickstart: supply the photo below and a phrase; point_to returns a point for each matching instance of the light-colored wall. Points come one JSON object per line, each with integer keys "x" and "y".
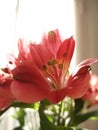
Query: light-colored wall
{"x": 86, "y": 29}
{"x": 86, "y": 34}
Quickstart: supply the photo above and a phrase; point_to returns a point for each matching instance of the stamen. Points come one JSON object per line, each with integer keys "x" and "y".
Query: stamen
{"x": 44, "y": 67}
{"x": 54, "y": 61}
{"x": 60, "y": 66}
{"x": 52, "y": 36}
{"x": 5, "y": 70}
{"x": 53, "y": 85}
{"x": 49, "y": 63}
{"x": 10, "y": 62}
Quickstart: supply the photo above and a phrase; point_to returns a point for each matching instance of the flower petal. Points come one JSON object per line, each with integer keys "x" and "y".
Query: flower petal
{"x": 29, "y": 85}
{"x": 56, "y": 95}
{"x": 78, "y": 82}
{"x": 40, "y": 54}
{"x": 88, "y": 62}
{"x": 52, "y": 41}
{"x": 65, "y": 52}
{"x": 77, "y": 86}
{"x": 6, "y": 97}
{"x": 66, "y": 49}
{"x": 27, "y": 92}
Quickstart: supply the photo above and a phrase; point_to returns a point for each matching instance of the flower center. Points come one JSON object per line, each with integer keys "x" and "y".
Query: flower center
{"x": 53, "y": 71}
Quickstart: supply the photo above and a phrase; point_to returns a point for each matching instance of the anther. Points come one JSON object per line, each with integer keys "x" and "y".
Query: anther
{"x": 44, "y": 67}
{"x": 5, "y": 70}
{"x": 60, "y": 66}
{"x": 49, "y": 63}
{"x": 10, "y": 62}
{"x": 52, "y": 36}
{"x": 54, "y": 61}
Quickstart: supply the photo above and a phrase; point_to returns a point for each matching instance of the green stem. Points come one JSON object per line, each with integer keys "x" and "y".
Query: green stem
{"x": 60, "y": 119}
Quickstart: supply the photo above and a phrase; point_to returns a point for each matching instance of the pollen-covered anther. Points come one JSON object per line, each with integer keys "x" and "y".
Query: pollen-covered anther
{"x": 5, "y": 70}
{"x": 44, "y": 67}
{"x": 60, "y": 66}
{"x": 52, "y": 36}
{"x": 52, "y": 62}
{"x": 10, "y": 62}
{"x": 49, "y": 63}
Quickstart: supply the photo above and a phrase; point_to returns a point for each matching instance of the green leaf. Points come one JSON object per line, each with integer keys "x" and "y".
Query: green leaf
{"x": 18, "y": 128}
{"x": 47, "y": 125}
{"x": 77, "y": 119}
{"x": 79, "y": 103}
{"x": 20, "y": 116}
{"x": 24, "y": 105}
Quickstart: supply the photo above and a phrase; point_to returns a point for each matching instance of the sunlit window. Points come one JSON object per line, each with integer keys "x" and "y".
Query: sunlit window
{"x": 7, "y": 27}
{"x": 29, "y": 19}
{"x": 38, "y": 16}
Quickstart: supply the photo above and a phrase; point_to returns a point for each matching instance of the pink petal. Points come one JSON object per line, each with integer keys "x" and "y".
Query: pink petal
{"x": 52, "y": 41}
{"x": 56, "y": 95}
{"x": 40, "y": 54}
{"x": 88, "y": 62}
{"x": 23, "y": 50}
{"x": 5, "y": 102}
{"x": 30, "y": 82}
{"x": 84, "y": 65}
{"x": 77, "y": 86}
{"x": 65, "y": 52}
{"x": 66, "y": 49}
{"x": 78, "y": 82}
{"x": 27, "y": 92}
{"x": 6, "y": 97}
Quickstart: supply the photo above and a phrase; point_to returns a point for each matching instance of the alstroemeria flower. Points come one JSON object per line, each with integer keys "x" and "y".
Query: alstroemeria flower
{"x": 92, "y": 93}
{"x": 6, "y": 97}
{"x": 45, "y": 74}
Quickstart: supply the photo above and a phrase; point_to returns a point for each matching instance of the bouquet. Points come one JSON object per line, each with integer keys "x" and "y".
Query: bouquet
{"x": 40, "y": 78}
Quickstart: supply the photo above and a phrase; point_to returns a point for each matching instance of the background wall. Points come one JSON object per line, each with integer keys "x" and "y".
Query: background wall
{"x": 86, "y": 34}
{"x": 86, "y": 29}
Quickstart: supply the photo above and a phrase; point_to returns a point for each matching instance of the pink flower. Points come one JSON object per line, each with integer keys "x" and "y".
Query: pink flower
{"x": 44, "y": 71}
{"x": 6, "y": 97}
{"x": 92, "y": 94}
